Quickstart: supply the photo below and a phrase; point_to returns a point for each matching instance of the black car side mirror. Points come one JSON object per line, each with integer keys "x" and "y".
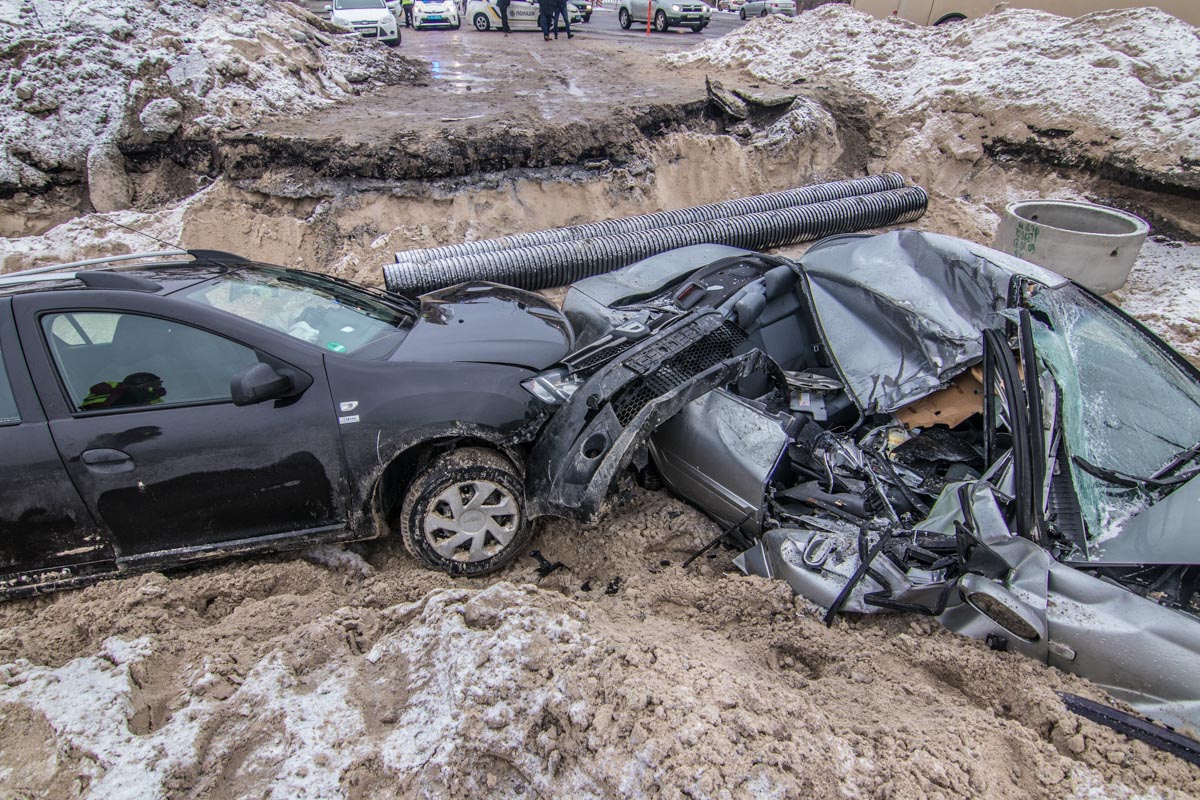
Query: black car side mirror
{"x": 256, "y": 383}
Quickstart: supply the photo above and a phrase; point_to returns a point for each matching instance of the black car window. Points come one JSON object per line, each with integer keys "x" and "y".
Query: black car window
{"x": 111, "y": 360}
{"x": 8, "y": 404}
{"x": 333, "y": 315}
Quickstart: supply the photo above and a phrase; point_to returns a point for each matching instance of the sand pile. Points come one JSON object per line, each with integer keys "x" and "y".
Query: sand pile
{"x": 1117, "y": 88}
{"x": 622, "y": 675}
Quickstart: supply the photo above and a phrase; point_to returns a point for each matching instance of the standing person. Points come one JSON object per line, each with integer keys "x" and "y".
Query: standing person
{"x": 560, "y": 8}
{"x": 503, "y": 6}
{"x": 546, "y": 11}
{"x": 408, "y": 6}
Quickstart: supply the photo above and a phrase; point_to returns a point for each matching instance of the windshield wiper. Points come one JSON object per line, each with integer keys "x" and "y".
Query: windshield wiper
{"x": 1118, "y": 478}
{"x": 1178, "y": 460}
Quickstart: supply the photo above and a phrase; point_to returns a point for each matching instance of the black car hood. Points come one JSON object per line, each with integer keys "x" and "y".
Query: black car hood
{"x": 489, "y": 323}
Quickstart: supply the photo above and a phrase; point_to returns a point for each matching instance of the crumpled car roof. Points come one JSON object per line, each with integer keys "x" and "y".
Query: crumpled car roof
{"x": 902, "y": 311}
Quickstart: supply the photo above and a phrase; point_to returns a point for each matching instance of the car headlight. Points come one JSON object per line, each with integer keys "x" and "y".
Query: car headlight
{"x": 553, "y": 387}
{"x": 675, "y": 8}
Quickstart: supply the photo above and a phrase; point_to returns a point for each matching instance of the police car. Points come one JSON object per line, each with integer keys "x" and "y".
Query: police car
{"x": 522, "y": 15}
{"x": 427, "y": 13}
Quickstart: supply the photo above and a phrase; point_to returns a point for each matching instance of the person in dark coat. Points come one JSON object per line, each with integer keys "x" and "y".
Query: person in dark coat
{"x": 503, "y": 6}
{"x": 546, "y": 11}
{"x": 560, "y": 9}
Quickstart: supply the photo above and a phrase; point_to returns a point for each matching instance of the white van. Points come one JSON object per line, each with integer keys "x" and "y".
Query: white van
{"x": 522, "y": 15}
{"x": 937, "y": 12}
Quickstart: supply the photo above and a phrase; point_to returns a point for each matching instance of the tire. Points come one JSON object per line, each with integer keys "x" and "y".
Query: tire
{"x": 481, "y": 22}
{"x": 660, "y": 22}
{"x": 949, "y": 18}
{"x": 456, "y": 26}
{"x": 742, "y": 13}
{"x": 763, "y": 13}
{"x": 697, "y": 28}
{"x": 587, "y": 17}
{"x": 392, "y": 42}
{"x": 623, "y": 18}
{"x": 464, "y": 514}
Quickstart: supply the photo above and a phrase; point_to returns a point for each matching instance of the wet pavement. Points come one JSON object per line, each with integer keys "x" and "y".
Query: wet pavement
{"x": 483, "y": 78}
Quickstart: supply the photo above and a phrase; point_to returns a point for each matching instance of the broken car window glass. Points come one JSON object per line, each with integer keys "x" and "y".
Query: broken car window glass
{"x": 1127, "y": 406}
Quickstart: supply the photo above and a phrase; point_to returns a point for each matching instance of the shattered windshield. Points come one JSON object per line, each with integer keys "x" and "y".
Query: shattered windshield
{"x": 1127, "y": 407}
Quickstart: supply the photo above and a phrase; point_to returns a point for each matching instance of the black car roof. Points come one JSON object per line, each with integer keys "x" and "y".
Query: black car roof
{"x": 154, "y": 276}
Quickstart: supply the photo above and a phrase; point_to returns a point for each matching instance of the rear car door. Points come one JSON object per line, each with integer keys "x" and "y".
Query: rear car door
{"x": 47, "y": 535}
{"x": 137, "y": 391}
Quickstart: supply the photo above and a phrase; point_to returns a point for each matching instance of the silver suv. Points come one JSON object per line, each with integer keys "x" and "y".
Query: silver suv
{"x": 665, "y": 13}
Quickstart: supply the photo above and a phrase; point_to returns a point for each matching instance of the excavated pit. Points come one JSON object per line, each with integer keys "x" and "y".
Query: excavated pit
{"x": 342, "y": 205}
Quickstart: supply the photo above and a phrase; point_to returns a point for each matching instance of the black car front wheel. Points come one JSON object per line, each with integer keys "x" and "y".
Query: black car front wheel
{"x": 742, "y": 13}
{"x": 623, "y": 18}
{"x": 481, "y": 22}
{"x": 465, "y": 513}
{"x": 660, "y": 22}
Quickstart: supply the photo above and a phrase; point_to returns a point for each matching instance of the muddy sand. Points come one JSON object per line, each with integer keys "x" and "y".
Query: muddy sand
{"x": 621, "y": 674}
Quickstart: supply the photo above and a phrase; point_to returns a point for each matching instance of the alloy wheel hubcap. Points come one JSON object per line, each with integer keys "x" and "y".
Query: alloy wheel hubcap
{"x": 471, "y": 521}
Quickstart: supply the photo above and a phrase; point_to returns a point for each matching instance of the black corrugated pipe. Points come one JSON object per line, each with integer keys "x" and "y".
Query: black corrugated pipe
{"x": 805, "y": 195}
{"x": 560, "y": 263}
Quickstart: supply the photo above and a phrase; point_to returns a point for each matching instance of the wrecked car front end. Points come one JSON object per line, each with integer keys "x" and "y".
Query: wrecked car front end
{"x": 932, "y": 427}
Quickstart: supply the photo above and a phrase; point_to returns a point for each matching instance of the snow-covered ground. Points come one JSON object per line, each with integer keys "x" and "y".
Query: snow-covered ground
{"x": 1115, "y": 86}
{"x": 83, "y": 76}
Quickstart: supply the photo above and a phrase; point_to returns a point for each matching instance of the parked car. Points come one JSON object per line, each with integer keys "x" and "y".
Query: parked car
{"x": 730, "y": 5}
{"x": 762, "y": 8}
{"x": 583, "y": 8}
{"x": 665, "y": 14}
{"x": 428, "y": 13}
{"x": 372, "y": 19}
{"x": 158, "y": 412}
{"x": 906, "y": 422}
{"x": 522, "y": 15}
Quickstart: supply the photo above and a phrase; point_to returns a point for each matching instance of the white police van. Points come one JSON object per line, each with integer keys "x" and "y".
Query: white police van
{"x": 522, "y": 15}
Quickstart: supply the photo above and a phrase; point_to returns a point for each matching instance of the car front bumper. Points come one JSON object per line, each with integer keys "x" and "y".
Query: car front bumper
{"x": 377, "y": 31}
{"x": 426, "y": 18}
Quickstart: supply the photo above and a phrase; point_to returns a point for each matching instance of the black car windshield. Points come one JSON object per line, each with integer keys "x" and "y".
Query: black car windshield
{"x": 331, "y": 314}
{"x": 1127, "y": 406}
{"x": 343, "y": 5}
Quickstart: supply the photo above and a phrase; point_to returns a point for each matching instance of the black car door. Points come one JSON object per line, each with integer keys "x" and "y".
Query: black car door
{"x": 47, "y": 534}
{"x": 137, "y": 390}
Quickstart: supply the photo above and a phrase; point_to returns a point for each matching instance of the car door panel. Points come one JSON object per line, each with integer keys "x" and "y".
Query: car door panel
{"x": 167, "y": 475}
{"x": 46, "y": 532}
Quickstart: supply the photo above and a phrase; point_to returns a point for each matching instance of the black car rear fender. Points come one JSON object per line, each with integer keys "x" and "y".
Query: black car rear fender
{"x": 598, "y": 431}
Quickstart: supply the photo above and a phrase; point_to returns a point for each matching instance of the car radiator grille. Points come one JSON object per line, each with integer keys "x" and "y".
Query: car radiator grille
{"x": 675, "y": 370}
{"x": 600, "y": 357}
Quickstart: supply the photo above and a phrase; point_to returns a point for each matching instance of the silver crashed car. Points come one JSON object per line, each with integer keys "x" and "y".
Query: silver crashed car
{"x": 906, "y": 422}
{"x": 762, "y": 8}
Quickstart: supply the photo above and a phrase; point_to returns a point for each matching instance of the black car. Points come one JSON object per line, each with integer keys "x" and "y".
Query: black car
{"x": 196, "y": 405}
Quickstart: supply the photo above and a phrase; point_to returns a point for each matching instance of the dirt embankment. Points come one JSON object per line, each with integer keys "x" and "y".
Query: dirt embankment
{"x": 621, "y": 674}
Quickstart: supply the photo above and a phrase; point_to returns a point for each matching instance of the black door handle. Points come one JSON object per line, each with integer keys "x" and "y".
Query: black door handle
{"x": 107, "y": 460}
